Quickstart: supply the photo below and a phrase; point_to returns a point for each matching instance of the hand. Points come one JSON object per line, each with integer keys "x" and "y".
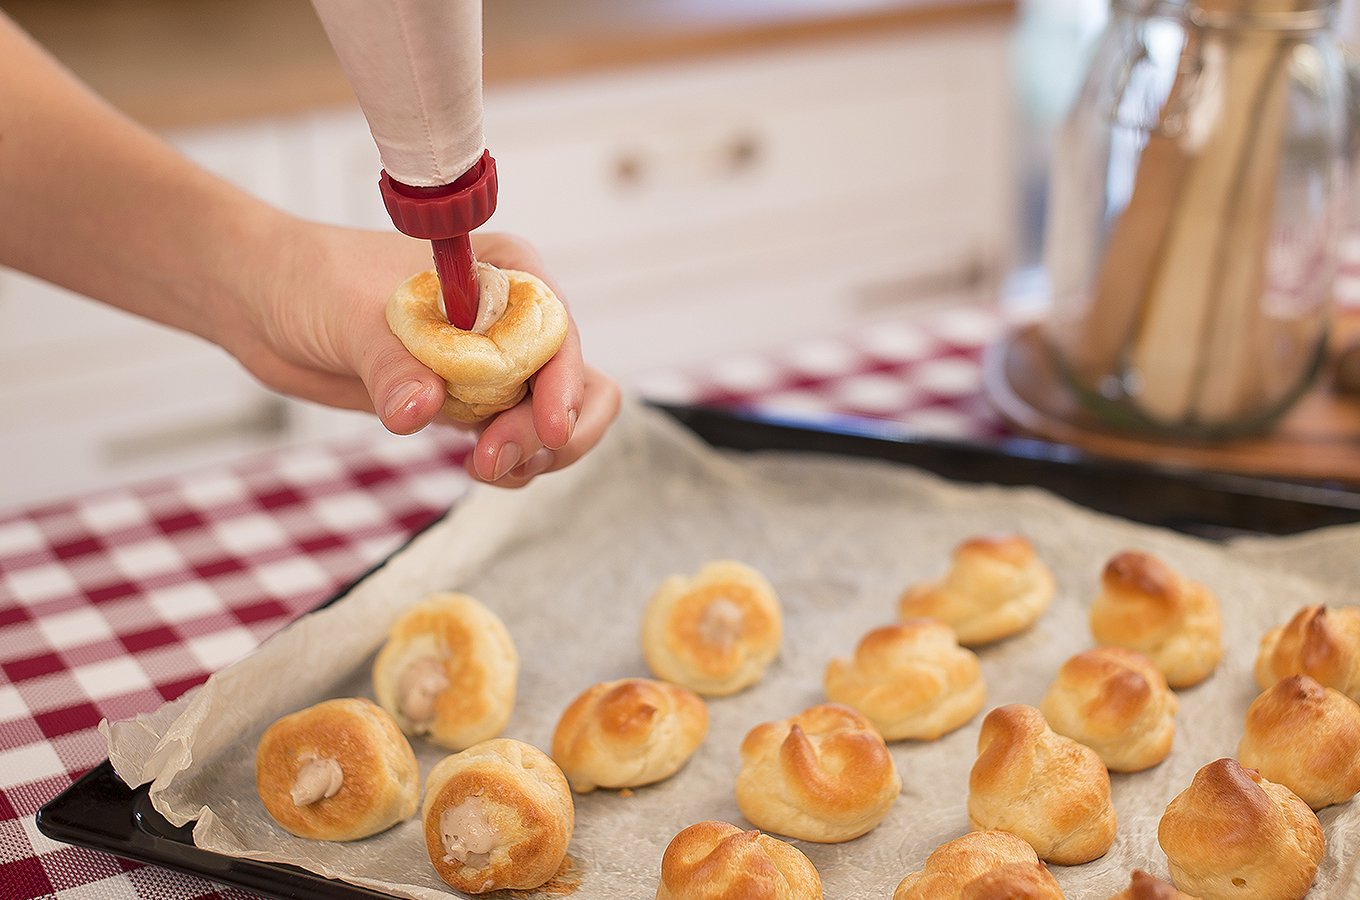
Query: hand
{"x": 569, "y": 405}
{"x": 93, "y": 202}
{"x": 320, "y": 332}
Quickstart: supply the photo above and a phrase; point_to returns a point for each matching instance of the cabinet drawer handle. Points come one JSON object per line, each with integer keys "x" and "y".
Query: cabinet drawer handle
{"x": 741, "y": 153}
{"x": 629, "y": 170}
{"x": 683, "y": 163}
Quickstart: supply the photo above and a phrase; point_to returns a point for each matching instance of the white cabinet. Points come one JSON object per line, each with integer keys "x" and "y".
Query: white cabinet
{"x": 729, "y": 203}
{"x": 90, "y": 397}
{"x": 685, "y": 209}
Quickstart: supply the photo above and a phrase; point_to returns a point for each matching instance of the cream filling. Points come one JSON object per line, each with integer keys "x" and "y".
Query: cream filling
{"x": 493, "y": 296}
{"x": 318, "y": 779}
{"x": 419, "y": 686}
{"x": 721, "y": 624}
{"x": 468, "y": 837}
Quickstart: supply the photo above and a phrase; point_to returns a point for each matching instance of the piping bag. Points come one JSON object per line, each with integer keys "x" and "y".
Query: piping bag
{"x": 416, "y": 67}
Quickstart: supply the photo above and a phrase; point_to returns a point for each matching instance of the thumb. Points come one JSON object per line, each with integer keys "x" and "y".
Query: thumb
{"x": 406, "y": 394}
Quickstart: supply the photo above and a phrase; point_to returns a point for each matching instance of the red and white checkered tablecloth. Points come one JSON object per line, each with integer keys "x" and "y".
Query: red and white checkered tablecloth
{"x": 923, "y": 371}
{"x": 113, "y": 603}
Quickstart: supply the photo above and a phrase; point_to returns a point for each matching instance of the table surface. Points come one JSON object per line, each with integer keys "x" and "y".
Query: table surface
{"x": 115, "y": 602}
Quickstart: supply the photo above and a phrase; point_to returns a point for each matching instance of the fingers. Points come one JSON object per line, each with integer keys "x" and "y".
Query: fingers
{"x": 405, "y": 393}
{"x": 508, "y": 442}
{"x": 511, "y": 452}
{"x": 598, "y": 409}
{"x": 343, "y": 391}
{"x": 558, "y": 390}
{"x": 569, "y": 405}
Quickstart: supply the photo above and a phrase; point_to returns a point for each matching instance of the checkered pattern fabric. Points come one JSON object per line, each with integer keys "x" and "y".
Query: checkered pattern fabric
{"x": 113, "y": 603}
{"x": 923, "y": 371}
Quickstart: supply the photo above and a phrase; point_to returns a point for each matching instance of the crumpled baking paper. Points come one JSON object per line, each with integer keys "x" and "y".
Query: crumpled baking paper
{"x": 569, "y": 563}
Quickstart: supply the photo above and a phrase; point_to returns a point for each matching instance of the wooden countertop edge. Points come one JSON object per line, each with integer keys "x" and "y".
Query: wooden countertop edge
{"x": 176, "y": 65}
{"x": 537, "y": 57}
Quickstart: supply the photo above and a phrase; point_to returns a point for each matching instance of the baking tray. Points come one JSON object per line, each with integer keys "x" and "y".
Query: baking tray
{"x": 100, "y": 812}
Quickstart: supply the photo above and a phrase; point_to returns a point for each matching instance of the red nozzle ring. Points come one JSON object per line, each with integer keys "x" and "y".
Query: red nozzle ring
{"x": 444, "y": 215}
{"x": 446, "y": 211}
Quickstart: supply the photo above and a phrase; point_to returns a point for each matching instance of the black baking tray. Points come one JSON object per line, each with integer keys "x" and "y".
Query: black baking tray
{"x": 100, "y": 812}
{"x": 1208, "y": 504}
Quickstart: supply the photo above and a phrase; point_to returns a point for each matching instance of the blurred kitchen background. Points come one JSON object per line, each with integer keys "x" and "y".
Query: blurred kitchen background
{"x": 700, "y": 176}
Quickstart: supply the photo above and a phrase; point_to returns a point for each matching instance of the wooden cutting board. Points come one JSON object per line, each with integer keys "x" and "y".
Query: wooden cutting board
{"x": 1319, "y": 439}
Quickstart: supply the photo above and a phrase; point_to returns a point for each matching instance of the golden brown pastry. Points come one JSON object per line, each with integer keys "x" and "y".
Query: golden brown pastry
{"x": 1143, "y": 886}
{"x": 823, "y": 775}
{"x": 627, "y": 733}
{"x": 1014, "y": 881}
{"x": 1115, "y": 701}
{"x": 912, "y": 680}
{"x": 1145, "y": 606}
{"x": 337, "y": 771}
{"x": 448, "y": 671}
{"x": 716, "y": 632}
{"x": 1306, "y": 737}
{"x": 1319, "y": 642}
{"x": 1041, "y": 786}
{"x": 485, "y": 370}
{"x": 955, "y": 865}
{"x": 1233, "y": 834}
{"x": 996, "y": 586}
{"x": 497, "y": 815}
{"x": 715, "y": 860}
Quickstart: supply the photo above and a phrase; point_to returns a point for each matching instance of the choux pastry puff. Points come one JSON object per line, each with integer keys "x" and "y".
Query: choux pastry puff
{"x": 337, "y": 771}
{"x": 497, "y": 815}
{"x": 714, "y": 633}
{"x": 448, "y": 671}
{"x": 520, "y": 325}
{"x": 996, "y": 586}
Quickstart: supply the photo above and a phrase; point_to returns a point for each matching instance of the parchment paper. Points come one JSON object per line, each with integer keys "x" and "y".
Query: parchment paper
{"x": 569, "y": 564}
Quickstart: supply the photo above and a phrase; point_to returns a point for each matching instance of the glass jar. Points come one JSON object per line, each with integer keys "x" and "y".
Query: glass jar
{"x": 1198, "y": 191}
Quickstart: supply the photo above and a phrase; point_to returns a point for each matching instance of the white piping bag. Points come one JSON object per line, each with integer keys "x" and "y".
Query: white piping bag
{"x": 416, "y": 67}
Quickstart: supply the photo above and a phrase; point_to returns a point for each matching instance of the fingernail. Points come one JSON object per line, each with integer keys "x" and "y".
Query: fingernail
{"x": 402, "y": 397}
{"x": 506, "y": 460}
{"x": 571, "y": 429}
{"x": 537, "y": 464}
